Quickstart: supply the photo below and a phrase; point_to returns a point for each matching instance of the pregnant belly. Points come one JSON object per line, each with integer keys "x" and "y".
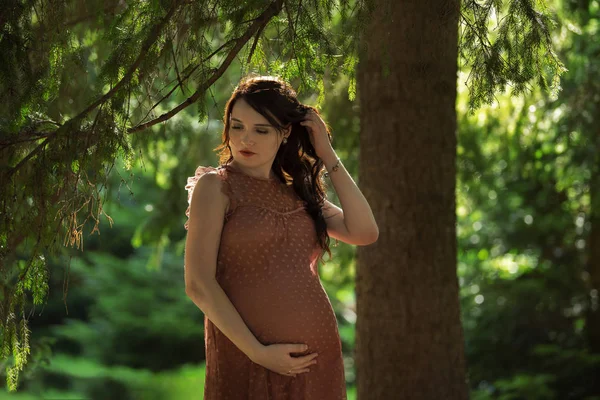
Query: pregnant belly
{"x": 297, "y": 312}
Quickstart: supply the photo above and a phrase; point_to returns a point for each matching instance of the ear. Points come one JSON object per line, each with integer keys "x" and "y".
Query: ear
{"x": 287, "y": 130}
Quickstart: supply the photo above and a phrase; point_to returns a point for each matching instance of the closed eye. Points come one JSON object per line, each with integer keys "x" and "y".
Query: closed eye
{"x": 261, "y": 131}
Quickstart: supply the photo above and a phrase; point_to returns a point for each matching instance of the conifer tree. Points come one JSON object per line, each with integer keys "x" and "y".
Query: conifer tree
{"x": 408, "y": 316}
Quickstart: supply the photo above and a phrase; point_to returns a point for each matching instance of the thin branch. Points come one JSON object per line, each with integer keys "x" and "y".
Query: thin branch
{"x": 255, "y": 43}
{"x": 150, "y": 40}
{"x": 180, "y": 84}
{"x": 28, "y": 157}
{"x": 82, "y": 18}
{"x": 263, "y": 19}
{"x": 299, "y": 8}
{"x": 293, "y": 42}
{"x": 35, "y": 136}
{"x": 185, "y": 78}
{"x": 30, "y": 134}
{"x": 46, "y": 121}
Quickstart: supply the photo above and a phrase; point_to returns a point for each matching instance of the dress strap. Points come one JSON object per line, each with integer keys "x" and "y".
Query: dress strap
{"x": 225, "y": 188}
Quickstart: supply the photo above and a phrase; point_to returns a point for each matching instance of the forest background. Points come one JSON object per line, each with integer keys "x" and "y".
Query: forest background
{"x": 527, "y": 172}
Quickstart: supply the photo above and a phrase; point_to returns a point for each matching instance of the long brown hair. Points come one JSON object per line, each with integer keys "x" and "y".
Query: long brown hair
{"x": 277, "y": 101}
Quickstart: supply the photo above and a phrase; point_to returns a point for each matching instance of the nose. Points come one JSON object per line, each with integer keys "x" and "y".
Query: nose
{"x": 245, "y": 138}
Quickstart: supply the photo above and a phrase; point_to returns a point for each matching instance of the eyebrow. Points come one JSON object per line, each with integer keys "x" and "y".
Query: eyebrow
{"x": 237, "y": 120}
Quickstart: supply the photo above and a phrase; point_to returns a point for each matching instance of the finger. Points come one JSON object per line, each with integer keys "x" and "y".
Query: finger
{"x": 297, "y": 348}
{"x": 303, "y": 359}
{"x": 309, "y": 128}
{"x": 300, "y": 371}
{"x": 306, "y": 364}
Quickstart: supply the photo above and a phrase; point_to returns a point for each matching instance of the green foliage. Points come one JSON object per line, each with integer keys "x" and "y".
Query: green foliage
{"x": 513, "y": 49}
{"x": 122, "y": 327}
{"x": 521, "y": 386}
{"x": 526, "y": 174}
{"x": 91, "y": 380}
{"x": 14, "y": 335}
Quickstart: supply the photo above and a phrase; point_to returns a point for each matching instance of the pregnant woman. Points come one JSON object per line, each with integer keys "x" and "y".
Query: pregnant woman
{"x": 259, "y": 224}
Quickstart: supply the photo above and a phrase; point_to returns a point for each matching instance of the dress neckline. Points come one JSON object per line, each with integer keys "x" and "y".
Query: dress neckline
{"x": 229, "y": 167}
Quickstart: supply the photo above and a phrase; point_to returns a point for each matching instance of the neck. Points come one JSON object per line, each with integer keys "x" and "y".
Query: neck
{"x": 260, "y": 172}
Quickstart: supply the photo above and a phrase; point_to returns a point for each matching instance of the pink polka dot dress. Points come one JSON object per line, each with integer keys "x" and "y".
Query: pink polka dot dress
{"x": 267, "y": 265}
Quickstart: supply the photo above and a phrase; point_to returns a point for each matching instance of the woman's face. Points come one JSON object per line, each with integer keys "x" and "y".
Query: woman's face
{"x": 250, "y": 131}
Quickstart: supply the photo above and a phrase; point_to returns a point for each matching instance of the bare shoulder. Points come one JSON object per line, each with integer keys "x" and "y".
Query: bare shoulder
{"x": 208, "y": 195}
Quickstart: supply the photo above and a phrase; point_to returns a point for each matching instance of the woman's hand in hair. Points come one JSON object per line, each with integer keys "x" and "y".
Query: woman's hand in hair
{"x": 318, "y": 133}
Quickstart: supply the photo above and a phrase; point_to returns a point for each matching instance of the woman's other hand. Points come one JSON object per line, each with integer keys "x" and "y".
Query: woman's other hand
{"x": 277, "y": 358}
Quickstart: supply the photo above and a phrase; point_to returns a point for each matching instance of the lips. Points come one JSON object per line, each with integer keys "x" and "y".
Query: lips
{"x": 246, "y": 152}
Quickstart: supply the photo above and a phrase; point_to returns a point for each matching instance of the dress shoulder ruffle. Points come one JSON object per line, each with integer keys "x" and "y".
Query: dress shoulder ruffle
{"x": 225, "y": 187}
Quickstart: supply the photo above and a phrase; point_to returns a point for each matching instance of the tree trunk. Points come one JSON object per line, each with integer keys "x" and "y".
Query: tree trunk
{"x": 409, "y": 334}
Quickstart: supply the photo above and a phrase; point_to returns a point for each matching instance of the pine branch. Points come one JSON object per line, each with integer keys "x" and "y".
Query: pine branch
{"x": 31, "y": 133}
{"x": 150, "y": 40}
{"x": 520, "y": 54}
{"x": 191, "y": 68}
{"x": 180, "y": 82}
{"x": 186, "y": 77}
{"x": 35, "y": 151}
{"x": 292, "y": 29}
{"x": 258, "y": 23}
{"x": 255, "y": 43}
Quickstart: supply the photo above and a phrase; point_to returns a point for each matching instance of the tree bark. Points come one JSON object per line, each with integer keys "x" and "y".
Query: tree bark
{"x": 409, "y": 334}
